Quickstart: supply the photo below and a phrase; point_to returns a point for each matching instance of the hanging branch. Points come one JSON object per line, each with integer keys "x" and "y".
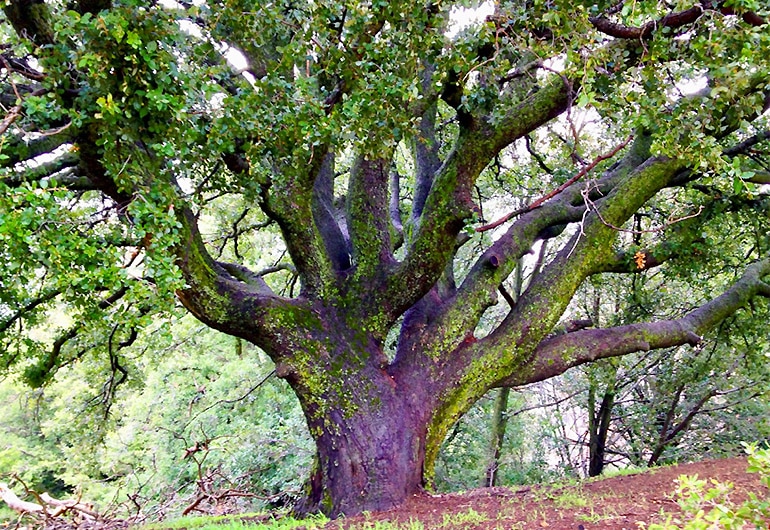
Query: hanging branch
{"x": 558, "y": 190}
{"x": 534, "y": 154}
{"x": 590, "y": 205}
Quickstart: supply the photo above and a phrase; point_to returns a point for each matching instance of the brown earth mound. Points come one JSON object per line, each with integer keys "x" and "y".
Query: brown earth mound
{"x": 616, "y": 503}
{"x": 606, "y": 504}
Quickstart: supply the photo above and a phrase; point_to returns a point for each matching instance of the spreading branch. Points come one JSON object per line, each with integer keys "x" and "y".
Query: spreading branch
{"x": 674, "y": 20}
{"x": 555, "y": 355}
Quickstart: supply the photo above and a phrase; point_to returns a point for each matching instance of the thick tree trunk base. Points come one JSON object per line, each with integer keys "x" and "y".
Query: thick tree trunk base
{"x": 366, "y": 460}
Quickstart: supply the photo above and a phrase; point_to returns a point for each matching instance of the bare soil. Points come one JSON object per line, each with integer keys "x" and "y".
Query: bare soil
{"x": 615, "y": 503}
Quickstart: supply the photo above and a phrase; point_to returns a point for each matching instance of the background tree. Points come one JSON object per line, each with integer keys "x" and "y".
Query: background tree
{"x": 202, "y": 420}
{"x": 359, "y": 133}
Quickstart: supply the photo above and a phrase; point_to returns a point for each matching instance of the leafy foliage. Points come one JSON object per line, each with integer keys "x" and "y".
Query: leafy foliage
{"x": 208, "y": 414}
{"x": 708, "y": 505}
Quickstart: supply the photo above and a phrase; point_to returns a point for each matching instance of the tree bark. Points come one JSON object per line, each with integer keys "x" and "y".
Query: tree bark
{"x": 598, "y": 428}
{"x": 372, "y": 461}
{"x": 370, "y": 452}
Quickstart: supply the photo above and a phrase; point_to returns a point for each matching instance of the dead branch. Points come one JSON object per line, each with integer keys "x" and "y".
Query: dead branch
{"x": 47, "y": 506}
{"x": 558, "y": 190}
{"x": 18, "y": 505}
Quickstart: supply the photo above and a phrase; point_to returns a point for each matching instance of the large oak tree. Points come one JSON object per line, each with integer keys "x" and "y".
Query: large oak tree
{"x": 372, "y": 137}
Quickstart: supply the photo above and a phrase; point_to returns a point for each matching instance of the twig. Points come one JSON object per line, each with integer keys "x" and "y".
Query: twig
{"x": 235, "y": 400}
{"x": 536, "y": 156}
{"x": 590, "y": 205}
{"x": 558, "y": 190}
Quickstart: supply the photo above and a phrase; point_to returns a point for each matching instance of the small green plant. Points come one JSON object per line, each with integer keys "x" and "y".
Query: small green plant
{"x": 622, "y": 472}
{"x": 708, "y": 508}
{"x": 464, "y": 518}
{"x": 571, "y": 499}
{"x": 595, "y": 517}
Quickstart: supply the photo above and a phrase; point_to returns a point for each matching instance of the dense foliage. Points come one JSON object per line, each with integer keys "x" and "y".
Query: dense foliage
{"x": 319, "y": 178}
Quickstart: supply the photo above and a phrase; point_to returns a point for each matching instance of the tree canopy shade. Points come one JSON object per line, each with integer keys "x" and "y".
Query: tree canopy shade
{"x": 139, "y": 165}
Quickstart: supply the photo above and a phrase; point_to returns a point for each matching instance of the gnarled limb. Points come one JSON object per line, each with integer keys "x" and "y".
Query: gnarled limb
{"x": 555, "y": 355}
{"x": 673, "y": 20}
{"x": 450, "y": 200}
{"x": 460, "y": 315}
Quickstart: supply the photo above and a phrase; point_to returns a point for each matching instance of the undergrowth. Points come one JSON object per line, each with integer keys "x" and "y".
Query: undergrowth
{"x": 708, "y": 506}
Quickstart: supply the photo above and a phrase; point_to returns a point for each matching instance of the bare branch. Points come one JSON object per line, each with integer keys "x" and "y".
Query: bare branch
{"x": 745, "y": 146}
{"x": 571, "y": 181}
{"x": 15, "y": 113}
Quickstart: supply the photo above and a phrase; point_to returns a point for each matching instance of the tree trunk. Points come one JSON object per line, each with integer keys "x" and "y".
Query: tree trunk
{"x": 499, "y": 424}
{"x": 364, "y": 463}
{"x": 370, "y": 431}
{"x": 598, "y": 426}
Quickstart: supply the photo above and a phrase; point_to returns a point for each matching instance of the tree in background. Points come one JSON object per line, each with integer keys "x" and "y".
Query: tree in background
{"x": 677, "y": 403}
{"x": 140, "y": 166}
{"x": 207, "y": 429}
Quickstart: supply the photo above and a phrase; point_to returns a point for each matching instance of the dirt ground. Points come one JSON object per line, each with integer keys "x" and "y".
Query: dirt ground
{"x": 606, "y": 504}
{"x": 615, "y": 503}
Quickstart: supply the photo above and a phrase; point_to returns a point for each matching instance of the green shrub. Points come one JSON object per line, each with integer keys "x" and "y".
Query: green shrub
{"x": 708, "y": 508}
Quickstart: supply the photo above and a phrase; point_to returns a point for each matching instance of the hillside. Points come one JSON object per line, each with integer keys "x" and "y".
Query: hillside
{"x": 614, "y": 503}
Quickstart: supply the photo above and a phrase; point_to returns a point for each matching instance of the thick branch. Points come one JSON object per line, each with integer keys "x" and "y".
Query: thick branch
{"x": 289, "y": 199}
{"x": 31, "y": 20}
{"x": 246, "y": 275}
{"x": 759, "y": 177}
{"x": 21, "y": 67}
{"x": 536, "y": 204}
{"x": 368, "y": 217}
{"x": 234, "y": 300}
{"x": 672, "y": 20}
{"x": 394, "y": 208}
{"x": 43, "y": 170}
{"x": 17, "y": 148}
{"x": 746, "y": 145}
{"x": 555, "y": 355}
{"x": 477, "y": 291}
{"x": 450, "y": 201}
{"x": 327, "y": 219}
{"x": 426, "y": 161}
